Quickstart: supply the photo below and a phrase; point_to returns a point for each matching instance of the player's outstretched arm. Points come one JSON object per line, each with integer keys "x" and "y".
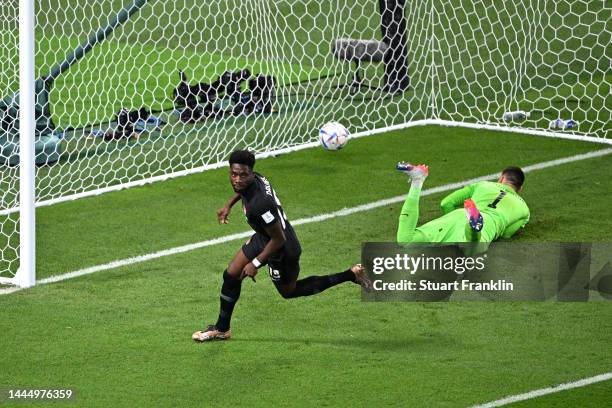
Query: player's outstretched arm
{"x": 455, "y": 199}
{"x": 223, "y": 212}
{"x": 515, "y": 227}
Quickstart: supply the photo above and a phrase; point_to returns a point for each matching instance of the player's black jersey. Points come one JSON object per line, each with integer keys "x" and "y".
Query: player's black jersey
{"x": 262, "y": 209}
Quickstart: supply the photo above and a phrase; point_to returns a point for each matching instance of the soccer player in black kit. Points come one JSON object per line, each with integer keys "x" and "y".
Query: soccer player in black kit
{"x": 274, "y": 243}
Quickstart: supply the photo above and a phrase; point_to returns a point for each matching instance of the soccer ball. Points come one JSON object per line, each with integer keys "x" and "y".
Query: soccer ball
{"x": 333, "y": 136}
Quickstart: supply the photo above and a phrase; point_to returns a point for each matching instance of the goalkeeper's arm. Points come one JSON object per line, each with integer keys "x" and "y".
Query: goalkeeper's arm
{"x": 515, "y": 227}
{"x": 455, "y": 199}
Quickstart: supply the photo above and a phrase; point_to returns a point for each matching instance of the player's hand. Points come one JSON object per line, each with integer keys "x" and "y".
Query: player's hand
{"x": 249, "y": 270}
{"x": 222, "y": 215}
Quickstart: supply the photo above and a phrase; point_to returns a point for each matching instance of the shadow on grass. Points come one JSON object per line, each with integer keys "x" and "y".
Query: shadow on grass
{"x": 416, "y": 343}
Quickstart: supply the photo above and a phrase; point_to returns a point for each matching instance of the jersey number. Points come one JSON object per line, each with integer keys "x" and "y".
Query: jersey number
{"x": 501, "y": 195}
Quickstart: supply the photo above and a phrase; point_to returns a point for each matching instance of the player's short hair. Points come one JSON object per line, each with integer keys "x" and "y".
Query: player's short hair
{"x": 242, "y": 157}
{"x": 514, "y": 176}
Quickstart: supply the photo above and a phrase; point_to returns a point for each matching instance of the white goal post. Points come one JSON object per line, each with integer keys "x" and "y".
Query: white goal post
{"x": 109, "y": 94}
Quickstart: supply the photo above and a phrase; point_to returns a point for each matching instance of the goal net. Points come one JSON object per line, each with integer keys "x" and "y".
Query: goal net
{"x": 135, "y": 91}
{"x": 9, "y": 176}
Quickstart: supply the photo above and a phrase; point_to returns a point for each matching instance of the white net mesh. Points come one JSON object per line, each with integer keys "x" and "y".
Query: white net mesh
{"x": 549, "y": 58}
{"x": 138, "y": 66}
{"x": 9, "y": 181}
{"x": 467, "y": 61}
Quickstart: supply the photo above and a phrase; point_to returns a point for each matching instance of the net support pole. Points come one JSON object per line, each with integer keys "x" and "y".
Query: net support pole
{"x": 26, "y": 275}
{"x": 97, "y": 37}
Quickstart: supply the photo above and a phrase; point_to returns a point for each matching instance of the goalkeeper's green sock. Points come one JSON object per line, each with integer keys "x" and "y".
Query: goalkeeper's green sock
{"x": 409, "y": 216}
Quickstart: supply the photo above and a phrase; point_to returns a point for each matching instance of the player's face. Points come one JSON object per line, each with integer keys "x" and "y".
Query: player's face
{"x": 241, "y": 176}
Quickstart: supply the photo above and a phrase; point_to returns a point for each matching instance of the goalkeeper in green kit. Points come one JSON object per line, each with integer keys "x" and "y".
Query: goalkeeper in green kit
{"x": 481, "y": 212}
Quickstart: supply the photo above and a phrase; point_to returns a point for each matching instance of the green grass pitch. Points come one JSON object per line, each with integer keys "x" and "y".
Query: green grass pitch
{"x": 122, "y": 337}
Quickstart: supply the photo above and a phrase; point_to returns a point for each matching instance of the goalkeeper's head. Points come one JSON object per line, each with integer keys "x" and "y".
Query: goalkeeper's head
{"x": 241, "y": 164}
{"x": 514, "y": 177}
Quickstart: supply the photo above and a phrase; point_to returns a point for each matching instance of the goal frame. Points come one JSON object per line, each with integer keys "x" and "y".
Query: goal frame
{"x": 26, "y": 273}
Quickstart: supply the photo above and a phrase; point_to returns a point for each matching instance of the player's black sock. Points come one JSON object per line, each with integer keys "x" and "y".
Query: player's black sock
{"x": 316, "y": 284}
{"x": 230, "y": 292}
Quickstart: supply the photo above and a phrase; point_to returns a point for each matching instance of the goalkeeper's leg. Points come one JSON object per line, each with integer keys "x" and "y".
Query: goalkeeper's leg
{"x": 477, "y": 238}
{"x": 409, "y": 216}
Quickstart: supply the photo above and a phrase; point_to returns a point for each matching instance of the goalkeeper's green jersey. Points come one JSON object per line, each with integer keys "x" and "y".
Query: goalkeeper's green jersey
{"x": 504, "y": 212}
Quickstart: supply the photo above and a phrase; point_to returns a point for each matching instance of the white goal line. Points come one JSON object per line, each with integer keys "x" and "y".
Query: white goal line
{"x": 302, "y": 221}
{"x": 277, "y": 152}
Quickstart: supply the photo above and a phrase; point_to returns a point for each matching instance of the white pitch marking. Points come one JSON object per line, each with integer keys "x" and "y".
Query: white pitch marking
{"x": 545, "y": 391}
{"x": 317, "y": 218}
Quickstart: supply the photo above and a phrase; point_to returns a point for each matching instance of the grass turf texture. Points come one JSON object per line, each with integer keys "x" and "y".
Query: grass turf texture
{"x": 122, "y": 337}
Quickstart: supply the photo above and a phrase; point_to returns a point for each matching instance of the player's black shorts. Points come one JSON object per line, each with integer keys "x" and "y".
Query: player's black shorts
{"x": 284, "y": 265}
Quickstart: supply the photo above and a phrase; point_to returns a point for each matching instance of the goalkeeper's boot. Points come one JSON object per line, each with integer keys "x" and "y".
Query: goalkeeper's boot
{"x": 211, "y": 333}
{"x": 414, "y": 172}
{"x": 361, "y": 278}
{"x": 473, "y": 215}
